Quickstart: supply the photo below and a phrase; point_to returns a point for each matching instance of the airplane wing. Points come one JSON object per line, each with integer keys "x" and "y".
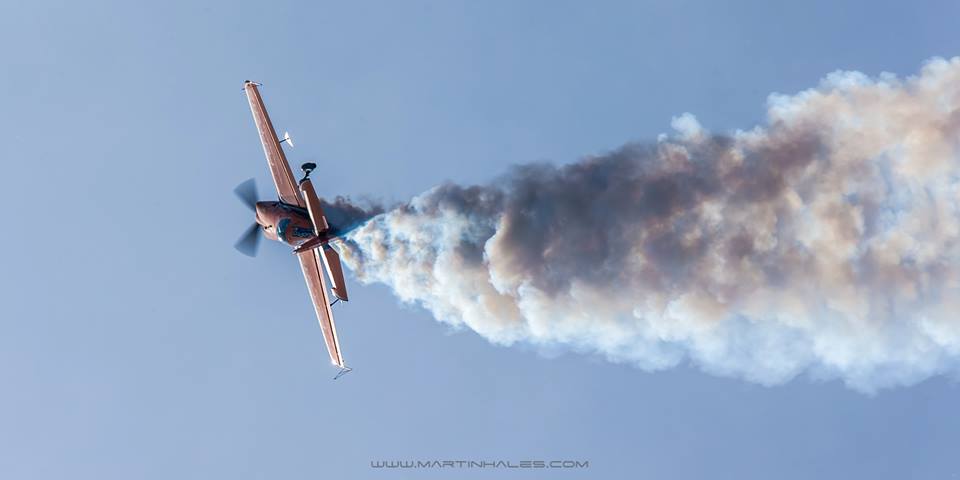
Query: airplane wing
{"x": 288, "y": 192}
{"x": 310, "y": 263}
{"x": 279, "y": 168}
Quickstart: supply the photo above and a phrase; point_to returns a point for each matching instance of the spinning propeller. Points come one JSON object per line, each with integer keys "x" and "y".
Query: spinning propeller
{"x": 249, "y": 242}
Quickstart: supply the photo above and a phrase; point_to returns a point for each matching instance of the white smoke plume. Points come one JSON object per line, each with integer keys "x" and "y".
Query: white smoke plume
{"x": 824, "y": 242}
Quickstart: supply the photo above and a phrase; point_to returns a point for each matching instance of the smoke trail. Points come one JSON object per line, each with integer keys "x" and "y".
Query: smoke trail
{"x": 345, "y": 214}
{"x": 823, "y": 242}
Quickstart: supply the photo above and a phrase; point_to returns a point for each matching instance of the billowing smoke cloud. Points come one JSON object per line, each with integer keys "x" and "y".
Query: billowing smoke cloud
{"x": 824, "y": 242}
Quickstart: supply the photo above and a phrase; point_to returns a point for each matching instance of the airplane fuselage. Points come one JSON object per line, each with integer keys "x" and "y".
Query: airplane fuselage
{"x": 286, "y": 223}
{"x": 291, "y": 224}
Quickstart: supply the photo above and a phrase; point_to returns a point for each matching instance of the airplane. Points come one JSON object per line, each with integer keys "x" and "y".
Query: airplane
{"x": 296, "y": 219}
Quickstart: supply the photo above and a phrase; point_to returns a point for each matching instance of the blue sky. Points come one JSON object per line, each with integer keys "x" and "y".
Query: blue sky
{"x": 135, "y": 343}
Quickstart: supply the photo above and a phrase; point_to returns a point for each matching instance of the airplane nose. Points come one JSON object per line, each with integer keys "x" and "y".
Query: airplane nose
{"x": 260, "y": 212}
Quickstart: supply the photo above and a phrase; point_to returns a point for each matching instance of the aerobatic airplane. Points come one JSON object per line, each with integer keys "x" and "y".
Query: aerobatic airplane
{"x": 298, "y": 220}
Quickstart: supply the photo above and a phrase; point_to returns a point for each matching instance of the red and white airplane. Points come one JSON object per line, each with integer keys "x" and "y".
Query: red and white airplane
{"x": 296, "y": 219}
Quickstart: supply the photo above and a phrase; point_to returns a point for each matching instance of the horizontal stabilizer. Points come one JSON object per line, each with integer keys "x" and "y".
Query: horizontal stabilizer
{"x": 313, "y": 206}
{"x": 331, "y": 260}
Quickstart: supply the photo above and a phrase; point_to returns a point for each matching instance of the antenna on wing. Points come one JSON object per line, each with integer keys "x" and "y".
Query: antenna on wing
{"x": 286, "y": 138}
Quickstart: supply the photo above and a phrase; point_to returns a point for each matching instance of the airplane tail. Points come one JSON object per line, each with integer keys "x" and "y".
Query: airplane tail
{"x": 331, "y": 260}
